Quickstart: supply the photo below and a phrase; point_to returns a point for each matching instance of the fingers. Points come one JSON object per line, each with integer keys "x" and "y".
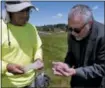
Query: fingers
{"x": 63, "y": 72}
{"x": 57, "y": 63}
{"x": 62, "y": 69}
{"x": 15, "y": 69}
{"x": 66, "y": 69}
{"x": 60, "y": 72}
{"x": 56, "y": 72}
{"x": 19, "y": 67}
{"x": 18, "y": 71}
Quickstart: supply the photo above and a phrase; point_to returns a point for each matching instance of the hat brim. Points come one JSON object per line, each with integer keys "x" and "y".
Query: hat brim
{"x": 18, "y": 7}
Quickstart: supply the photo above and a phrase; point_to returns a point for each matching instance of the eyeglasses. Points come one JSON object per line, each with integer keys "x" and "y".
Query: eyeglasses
{"x": 77, "y": 30}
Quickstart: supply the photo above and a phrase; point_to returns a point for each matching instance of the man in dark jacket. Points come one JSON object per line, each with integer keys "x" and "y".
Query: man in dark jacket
{"x": 85, "y": 59}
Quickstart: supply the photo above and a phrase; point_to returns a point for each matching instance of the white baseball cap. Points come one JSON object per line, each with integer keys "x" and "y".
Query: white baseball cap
{"x": 16, "y": 6}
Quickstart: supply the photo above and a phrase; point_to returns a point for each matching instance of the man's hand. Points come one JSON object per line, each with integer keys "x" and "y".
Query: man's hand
{"x": 15, "y": 69}
{"x": 63, "y": 69}
{"x": 58, "y": 65}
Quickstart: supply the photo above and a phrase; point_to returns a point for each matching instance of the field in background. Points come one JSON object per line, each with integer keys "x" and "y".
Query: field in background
{"x": 54, "y": 49}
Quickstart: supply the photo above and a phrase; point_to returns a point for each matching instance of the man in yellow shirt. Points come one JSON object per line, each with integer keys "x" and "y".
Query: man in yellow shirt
{"x": 21, "y": 46}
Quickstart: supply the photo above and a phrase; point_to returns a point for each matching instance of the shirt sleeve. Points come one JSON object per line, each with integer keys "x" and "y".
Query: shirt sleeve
{"x": 3, "y": 30}
{"x": 38, "y": 54}
{"x": 3, "y": 66}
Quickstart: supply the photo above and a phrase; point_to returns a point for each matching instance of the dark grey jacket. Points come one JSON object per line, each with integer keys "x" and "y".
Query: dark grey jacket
{"x": 91, "y": 74}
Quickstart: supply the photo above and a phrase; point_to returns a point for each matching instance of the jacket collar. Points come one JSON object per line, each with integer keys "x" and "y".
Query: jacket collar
{"x": 93, "y": 34}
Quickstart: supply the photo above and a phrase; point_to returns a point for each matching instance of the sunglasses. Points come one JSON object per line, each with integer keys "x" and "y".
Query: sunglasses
{"x": 77, "y": 30}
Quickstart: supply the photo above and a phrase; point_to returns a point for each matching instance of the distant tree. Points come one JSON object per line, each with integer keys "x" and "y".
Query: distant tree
{"x": 53, "y": 28}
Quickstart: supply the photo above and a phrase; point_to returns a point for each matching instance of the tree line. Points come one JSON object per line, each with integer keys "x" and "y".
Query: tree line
{"x": 53, "y": 28}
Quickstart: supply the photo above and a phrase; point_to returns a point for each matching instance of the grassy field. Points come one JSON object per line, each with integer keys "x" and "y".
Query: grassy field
{"x": 54, "y": 49}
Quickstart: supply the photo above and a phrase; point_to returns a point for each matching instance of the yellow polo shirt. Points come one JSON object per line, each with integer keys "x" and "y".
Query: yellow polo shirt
{"x": 24, "y": 43}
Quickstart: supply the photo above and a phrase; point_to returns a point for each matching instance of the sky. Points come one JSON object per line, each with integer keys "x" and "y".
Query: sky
{"x": 54, "y": 12}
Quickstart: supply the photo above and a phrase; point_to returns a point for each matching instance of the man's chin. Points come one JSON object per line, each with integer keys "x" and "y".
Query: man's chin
{"x": 78, "y": 38}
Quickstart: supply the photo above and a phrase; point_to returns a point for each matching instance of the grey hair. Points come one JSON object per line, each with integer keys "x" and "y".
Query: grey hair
{"x": 82, "y": 10}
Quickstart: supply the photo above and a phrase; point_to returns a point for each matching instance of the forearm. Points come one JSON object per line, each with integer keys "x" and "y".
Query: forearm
{"x": 96, "y": 70}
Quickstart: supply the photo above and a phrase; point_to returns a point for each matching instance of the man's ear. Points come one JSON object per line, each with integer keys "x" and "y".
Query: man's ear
{"x": 91, "y": 21}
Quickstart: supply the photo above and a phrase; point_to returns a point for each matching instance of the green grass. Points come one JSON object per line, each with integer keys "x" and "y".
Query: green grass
{"x": 54, "y": 49}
